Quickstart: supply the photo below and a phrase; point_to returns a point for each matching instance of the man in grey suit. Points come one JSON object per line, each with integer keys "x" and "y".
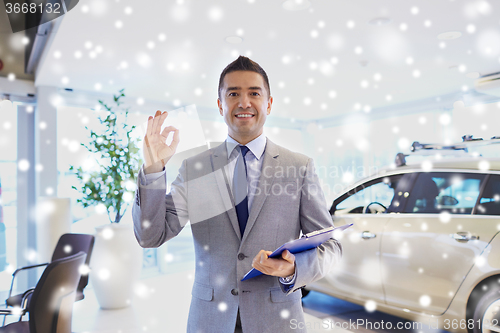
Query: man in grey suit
{"x": 243, "y": 198}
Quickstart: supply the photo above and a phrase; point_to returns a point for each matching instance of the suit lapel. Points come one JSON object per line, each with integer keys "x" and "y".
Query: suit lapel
{"x": 220, "y": 163}
{"x": 266, "y": 180}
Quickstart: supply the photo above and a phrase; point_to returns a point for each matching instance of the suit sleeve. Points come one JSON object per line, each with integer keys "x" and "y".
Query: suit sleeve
{"x": 314, "y": 264}
{"x": 159, "y": 216}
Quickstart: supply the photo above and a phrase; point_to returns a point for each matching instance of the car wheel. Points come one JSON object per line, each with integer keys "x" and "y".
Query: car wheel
{"x": 305, "y": 292}
{"x": 487, "y": 313}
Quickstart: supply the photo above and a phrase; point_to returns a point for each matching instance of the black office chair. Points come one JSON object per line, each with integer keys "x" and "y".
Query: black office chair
{"x": 67, "y": 245}
{"x": 51, "y": 302}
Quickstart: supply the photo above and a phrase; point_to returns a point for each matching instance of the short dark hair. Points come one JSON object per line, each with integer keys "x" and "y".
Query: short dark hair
{"x": 244, "y": 64}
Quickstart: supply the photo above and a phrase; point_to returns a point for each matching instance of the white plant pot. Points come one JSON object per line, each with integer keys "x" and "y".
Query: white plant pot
{"x": 115, "y": 265}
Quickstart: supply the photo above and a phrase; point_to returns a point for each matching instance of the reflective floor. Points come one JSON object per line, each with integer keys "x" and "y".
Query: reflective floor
{"x": 161, "y": 304}
{"x": 331, "y": 313}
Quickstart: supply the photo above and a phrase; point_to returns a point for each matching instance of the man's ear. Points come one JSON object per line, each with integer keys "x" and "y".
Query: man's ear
{"x": 219, "y": 104}
{"x": 269, "y": 105}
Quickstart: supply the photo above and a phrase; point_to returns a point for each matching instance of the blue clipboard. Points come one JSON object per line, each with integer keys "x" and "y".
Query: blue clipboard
{"x": 306, "y": 242}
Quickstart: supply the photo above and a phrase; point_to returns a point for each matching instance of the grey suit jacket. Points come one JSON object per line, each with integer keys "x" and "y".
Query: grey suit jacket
{"x": 288, "y": 200}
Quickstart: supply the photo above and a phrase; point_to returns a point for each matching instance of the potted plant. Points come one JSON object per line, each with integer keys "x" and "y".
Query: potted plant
{"x": 117, "y": 258}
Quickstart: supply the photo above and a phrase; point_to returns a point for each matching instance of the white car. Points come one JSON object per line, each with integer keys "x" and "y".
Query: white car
{"x": 425, "y": 243}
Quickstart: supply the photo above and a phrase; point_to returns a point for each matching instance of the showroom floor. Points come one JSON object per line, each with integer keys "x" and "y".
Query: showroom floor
{"x": 161, "y": 305}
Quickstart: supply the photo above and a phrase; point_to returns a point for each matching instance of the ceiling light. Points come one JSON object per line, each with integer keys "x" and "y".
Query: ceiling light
{"x": 294, "y": 5}
{"x": 450, "y": 35}
{"x": 471, "y": 28}
{"x": 234, "y": 39}
{"x": 379, "y": 21}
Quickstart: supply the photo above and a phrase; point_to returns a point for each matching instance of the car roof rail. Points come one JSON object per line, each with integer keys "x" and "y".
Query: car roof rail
{"x": 456, "y": 149}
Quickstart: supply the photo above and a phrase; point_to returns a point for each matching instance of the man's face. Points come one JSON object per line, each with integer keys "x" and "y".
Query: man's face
{"x": 244, "y": 104}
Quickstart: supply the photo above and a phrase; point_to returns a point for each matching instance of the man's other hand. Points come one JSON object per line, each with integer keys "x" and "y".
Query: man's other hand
{"x": 282, "y": 267}
{"x": 155, "y": 149}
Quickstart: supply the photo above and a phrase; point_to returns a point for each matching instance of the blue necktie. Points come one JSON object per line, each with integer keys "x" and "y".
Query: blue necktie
{"x": 240, "y": 189}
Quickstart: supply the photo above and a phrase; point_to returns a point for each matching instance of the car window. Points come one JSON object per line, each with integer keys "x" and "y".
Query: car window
{"x": 489, "y": 203}
{"x": 380, "y": 190}
{"x": 436, "y": 192}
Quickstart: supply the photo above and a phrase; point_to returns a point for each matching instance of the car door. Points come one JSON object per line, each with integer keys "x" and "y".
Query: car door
{"x": 429, "y": 248}
{"x": 358, "y": 273}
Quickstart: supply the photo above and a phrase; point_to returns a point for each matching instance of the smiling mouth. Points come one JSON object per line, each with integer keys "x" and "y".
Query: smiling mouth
{"x": 244, "y": 115}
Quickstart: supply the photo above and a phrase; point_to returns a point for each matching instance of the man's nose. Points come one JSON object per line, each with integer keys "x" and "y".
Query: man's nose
{"x": 244, "y": 102}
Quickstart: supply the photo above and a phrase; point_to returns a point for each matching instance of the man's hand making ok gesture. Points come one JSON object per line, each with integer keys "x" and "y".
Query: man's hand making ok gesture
{"x": 155, "y": 149}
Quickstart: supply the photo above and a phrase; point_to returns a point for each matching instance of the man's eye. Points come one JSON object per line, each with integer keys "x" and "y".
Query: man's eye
{"x": 232, "y": 94}
{"x": 255, "y": 94}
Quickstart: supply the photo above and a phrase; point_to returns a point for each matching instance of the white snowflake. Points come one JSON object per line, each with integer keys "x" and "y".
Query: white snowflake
{"x": 141, "y": 290}
{"x": 23, "y": 165}
{"x": 444, "y": 217}
{"x": 403, "y": 143}
{"x": 84, "y": 269}
{"x": 17, "y": 310}
{"x": 67, "y": 248}
{"x": 215, "y": 14}
{"x": 222, "y": 307}
{"x": 128, "y": 197}
{"x": 425, "y": 300}
{"x": 100, "y": 209}
{"x": 285, "y": 314}
{"x": 107, "y": 233}
{"x": 484, "y": 165}
{"x": 10, "y": 269}
{"x": 370, "y": 306}
{"x": 31, "y": 255}
{"x": 104, "y": 274}
{"x": 427, "y": 166}
{"x": 144, "y": 60}
{"x": 480, "y": 261}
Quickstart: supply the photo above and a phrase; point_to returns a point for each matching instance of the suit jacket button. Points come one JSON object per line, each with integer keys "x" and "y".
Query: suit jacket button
{"x": 234, "y": 292}
{"x": 241, "y": 256}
